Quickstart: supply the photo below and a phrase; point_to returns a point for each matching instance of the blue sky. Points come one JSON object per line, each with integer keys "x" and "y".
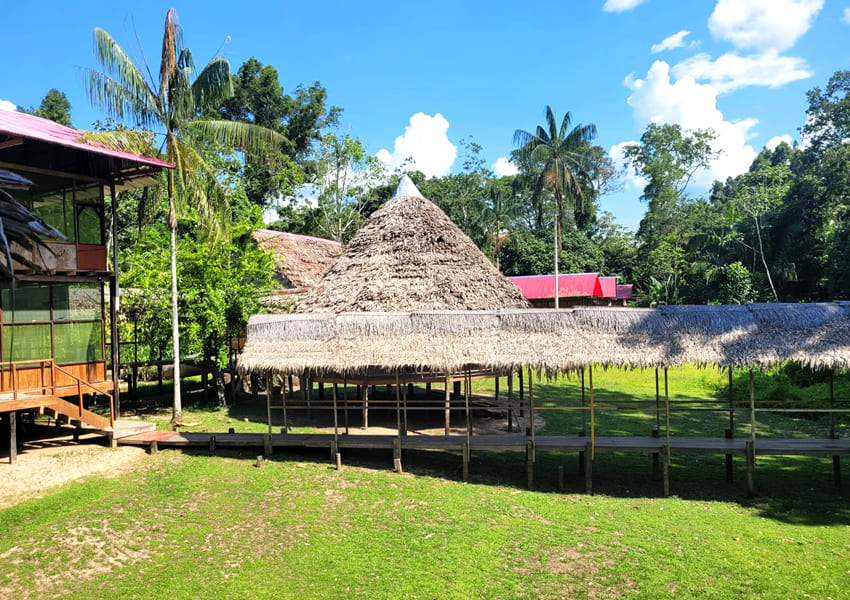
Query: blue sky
{"x": 415, "y": 78}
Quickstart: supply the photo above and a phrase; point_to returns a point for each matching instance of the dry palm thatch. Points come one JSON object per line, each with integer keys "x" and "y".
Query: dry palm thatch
{"x": 552, "y": 341}
{"x": 300, "y": 260}
{"x": 410, "y": 256}
{"x": 19, "y": 228}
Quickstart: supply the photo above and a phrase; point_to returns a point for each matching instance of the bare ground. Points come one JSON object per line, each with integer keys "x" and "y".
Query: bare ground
{"x": 52, "y": 459}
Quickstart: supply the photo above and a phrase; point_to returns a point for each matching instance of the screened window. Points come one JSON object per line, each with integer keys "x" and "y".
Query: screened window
{"x": 32, "y": 303}
{"x": 26, "y": 342}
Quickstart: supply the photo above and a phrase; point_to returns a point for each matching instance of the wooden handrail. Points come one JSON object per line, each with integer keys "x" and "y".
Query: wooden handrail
{"x": 41, "y": 363}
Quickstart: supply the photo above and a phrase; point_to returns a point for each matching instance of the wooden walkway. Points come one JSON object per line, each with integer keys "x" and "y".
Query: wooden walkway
{"x": 584, "y": 446}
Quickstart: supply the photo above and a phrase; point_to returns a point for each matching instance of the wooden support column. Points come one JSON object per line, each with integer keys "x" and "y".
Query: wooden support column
{"x": 531, "y": 414}
{"x": 521, "y": 393}
{"x": 668, "y": 454}
{"x": 466, "y": 457}
{"x": 269, "y": 399}
{"x": 588, "y": 467}
{"x": 583, "y": 431}
{"x": 397, "y": 406}
{"x": 397, "y": 455}
{"x": 467, "y": 390}
{"x": 497, "y": 390}
{"x": 13, "y": 437}
{"x": 529, "y": 465}
{"x": 510, "y": 400}
{"x": 448, "y": 404}
{"x": 751, "y": 448}
{"x": 114, "y": 293}
{"x": 592, "y": 414}
{"x": 730, "y": 433}
{"x": 404, "y": 400}
{"x": 365, "y": 390}
{"x": 345, "y": 401}
{"x": 336, "y": 419}
{"x": 283, "y": 392}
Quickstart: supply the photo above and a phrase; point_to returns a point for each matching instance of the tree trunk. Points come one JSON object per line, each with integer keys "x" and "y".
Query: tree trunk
{"x": 177, "y": 413}
{"x": 218, "y": 378}
{"x": 763, "y": 260}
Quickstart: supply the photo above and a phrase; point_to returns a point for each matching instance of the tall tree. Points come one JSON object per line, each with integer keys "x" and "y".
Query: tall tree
{"x": 170, "y": 106}
{"x": 561, "y": 153}
{"x": 55, "y": 106}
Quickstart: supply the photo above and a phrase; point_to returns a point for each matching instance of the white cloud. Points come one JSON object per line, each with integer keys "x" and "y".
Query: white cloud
{"x": 763, "y": 24}
{"x": 6, "y": 105}
{"x": 677, "y": 40}
{"x": 773, "y": 142}
{"x": 693, "y": 105}
{"x": 504, "y": 167}
{"x": 424, "y": 147}
{"x": 731, "y": 72}
{"x": 619, "y": 6}
{"x": 846, "y": 16}
{"x": 618, "y": 155}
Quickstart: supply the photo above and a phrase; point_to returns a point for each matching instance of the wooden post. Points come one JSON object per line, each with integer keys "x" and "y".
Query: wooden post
{"x": 114, "y": 294}
{"x": 592, "y": 415}
{"x": 289, "y": 379}
{"x": 531, "y": 414}
{"x": 397, "y": 453}
{"x": 752, "y": 410}
{"x": 510, "y": 400}
{"x": 583, "y": 431}
{"x": 13, "y": 437}
{"x": 467, "y": 390}
{"x": 529, "y": 461}
{"x": 336, "y": 419}
{"x": 831, "y": 402}
{"x": 668, "y": 454}
{"x": 284, "y": 391}
{"x": 345, "y": 401}
{"x": 448, "y": 404}
{"x": 404, "y": 400}
{"x": 751, "y": 467}
{"x": 521, "y": 393}
{"x": 397, "y": 406}
{"x": 269, "y": 399}
{"x": 588, "y": 468}
{"x": 497, "y": 390}
{"x": 466, "y": 458}
{"x": 657, "y": 403}
{"x": 212, "y": 445}
{"x": 730, "y": 433}
{"x": 365, "y": 390}
{"x": 267, "y": 445}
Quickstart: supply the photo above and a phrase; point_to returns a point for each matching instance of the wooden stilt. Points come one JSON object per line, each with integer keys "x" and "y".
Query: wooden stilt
{"x": 284, "y": 392}
{"x": 397, "y": 454}
{"x": 521, "y": 393}
{"x": 365, "y": 391}
{"x": 212, "y": 445}
{"x": 466, "y": 458}
{"x": 588, "y": 468}
{"x": 269, "y": 400}
{"x": 510, "y": 400}
{"x": 345, "y": 401}
{"x": 592, "y": 414}
{"x": 404, "y": 401}
{"x": 13, "y": 437}
{"x": 730, "y": 433}
{"x": 336, "y": 419}
{"x": 583, "y": 430}
{"x": 448, "y": 404}
{"x": 397, "y": 406}
{"x": 267, "y": 445}
{"x": 529, "y": 463}
{"x": 532, "y": 414}
{"x": 668, "y": 454}
{"x": 751, "y": 467}
{"x": 467, "y": 391}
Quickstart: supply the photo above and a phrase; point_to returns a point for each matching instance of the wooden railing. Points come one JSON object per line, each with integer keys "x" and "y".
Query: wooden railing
{"x": 45, "y": 387}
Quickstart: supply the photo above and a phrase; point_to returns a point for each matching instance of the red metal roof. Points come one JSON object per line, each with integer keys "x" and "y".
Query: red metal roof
{"x": 17, "y": 124}
{"x": 570, "y": 285}
{"x": 624, "y": 291}
{"x": 609, "y": 287}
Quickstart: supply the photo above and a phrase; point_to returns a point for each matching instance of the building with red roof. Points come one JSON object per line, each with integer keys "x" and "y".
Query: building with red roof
{"x": 574, "y": 289}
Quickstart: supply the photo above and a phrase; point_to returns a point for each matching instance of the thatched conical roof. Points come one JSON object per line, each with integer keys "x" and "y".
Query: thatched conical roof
{"x": 409, "y": 256}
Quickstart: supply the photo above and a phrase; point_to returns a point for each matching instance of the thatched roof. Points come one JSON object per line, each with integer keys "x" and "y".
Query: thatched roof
{"x": 552, "y": 341}
{"x": 300, "y": 260}
{"x": 410, "y": 256}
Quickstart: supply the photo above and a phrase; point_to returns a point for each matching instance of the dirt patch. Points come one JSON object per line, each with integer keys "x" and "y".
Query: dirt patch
{"x": 54, "y": 460}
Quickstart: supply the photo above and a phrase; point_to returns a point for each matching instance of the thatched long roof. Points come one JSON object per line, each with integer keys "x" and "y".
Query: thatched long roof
{"x": 552, "y": 341}
{"x": 409, "y": 256}
{"x": 300, "y": 260}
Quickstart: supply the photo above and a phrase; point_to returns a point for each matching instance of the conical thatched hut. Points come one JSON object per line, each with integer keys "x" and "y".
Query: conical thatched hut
{"x": 410, "y": 256}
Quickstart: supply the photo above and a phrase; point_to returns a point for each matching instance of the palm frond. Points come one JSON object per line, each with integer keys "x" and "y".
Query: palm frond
{"x": 136, "y": 142}
{"x": 213, "y": 85}
{"x": 121, "y": 90}
{"x": 237, "y": 134}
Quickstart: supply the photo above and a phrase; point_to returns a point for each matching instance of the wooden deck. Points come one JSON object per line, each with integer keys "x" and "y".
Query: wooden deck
{"x": 584, "y": 446}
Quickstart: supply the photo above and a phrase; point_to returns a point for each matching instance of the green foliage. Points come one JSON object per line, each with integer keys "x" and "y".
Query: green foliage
{"x": 737, "y": 285}
{"x": 55, "y": 106}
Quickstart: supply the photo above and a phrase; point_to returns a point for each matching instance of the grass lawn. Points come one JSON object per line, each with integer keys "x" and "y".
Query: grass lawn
{"x": 194, "y": 525}
{"x": 191, "y": 525}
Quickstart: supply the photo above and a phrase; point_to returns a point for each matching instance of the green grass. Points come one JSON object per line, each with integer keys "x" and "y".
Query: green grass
{"x": 190, "y": 525}
{"x": 194, "y": 525}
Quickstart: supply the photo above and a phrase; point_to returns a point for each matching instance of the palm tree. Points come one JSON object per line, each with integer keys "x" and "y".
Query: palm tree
{"x": 561, "y": 152}
{"x": 171, "y": 107}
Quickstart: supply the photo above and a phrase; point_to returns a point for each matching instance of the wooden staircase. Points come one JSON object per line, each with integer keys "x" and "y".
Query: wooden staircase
{"x": 59, "y": 407}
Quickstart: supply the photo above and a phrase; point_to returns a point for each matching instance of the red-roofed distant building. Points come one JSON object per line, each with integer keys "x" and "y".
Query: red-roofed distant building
{"x": 574, "y": 289}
